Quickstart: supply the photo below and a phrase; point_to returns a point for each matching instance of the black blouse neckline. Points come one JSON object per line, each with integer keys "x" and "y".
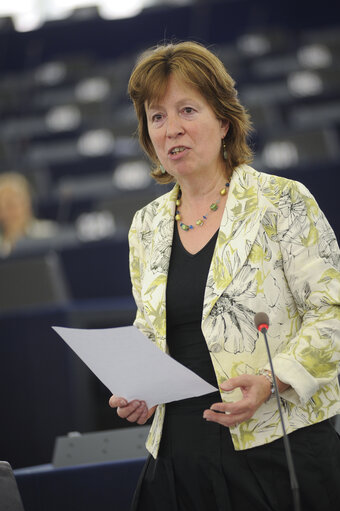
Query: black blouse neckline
{"x": 203, "y": 249}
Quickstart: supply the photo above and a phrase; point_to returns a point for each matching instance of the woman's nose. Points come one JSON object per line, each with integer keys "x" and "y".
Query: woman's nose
{"x": 174, "y": 126}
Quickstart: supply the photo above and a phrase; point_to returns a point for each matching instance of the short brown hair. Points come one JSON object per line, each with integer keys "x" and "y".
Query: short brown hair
{"x": 199, "y": 68}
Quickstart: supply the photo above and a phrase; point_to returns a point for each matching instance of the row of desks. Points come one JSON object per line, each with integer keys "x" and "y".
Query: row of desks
{"x": 104, "y": 487}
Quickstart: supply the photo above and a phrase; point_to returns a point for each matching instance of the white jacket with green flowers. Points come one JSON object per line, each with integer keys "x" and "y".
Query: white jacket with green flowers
{"x": 275, "y": 253}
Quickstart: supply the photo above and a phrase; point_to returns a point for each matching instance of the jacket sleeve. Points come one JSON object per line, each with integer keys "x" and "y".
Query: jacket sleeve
{"x": 310, "y": 258}
{"x": 136, "y": 260}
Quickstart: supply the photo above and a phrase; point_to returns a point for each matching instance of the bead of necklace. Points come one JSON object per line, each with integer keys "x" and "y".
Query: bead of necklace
{"x": 199, "y": 221}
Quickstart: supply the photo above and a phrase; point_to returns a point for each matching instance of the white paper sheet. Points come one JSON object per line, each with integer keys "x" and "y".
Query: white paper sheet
{"x": 131, "y": 366}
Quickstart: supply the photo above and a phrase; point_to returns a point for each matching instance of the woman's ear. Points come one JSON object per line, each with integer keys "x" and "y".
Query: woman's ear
{"x": 224, "y": 127}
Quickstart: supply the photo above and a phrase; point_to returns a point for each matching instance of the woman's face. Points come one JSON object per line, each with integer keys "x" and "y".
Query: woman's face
{"x": 185, "y": 132}
{"x": 14, "y": 207}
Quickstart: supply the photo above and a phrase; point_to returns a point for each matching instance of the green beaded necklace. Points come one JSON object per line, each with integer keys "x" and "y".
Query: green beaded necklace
{"x": 200, "y": 221}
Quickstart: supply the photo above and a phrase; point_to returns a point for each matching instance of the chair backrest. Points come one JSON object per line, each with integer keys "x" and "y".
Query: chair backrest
{"x": 31, "y": 281}
{"x": 10, "y": 499}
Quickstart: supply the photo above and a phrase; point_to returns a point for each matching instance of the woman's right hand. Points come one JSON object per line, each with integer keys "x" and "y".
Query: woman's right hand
{"x": 133, "y": 411}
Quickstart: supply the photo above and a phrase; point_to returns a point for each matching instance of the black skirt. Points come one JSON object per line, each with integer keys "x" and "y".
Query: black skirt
{"x": 197, "y": 469}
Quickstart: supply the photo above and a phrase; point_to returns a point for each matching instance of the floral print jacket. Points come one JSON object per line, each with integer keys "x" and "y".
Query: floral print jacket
{"x": 275, "y": 253}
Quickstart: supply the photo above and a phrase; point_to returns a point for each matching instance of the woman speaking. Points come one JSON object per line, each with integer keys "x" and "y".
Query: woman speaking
{"x": 225, "y": 243}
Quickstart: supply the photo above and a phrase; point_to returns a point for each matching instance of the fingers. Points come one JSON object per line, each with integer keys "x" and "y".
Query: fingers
{"x": 255, "y": 388}
{"x": 135, "y": 411}
{"x": 238, "y": 381}
{"x": 223, "y": 418}
{"x": 116, "y": 401}
{"x": 229, "y": 414}
{"x": 254, "y": 393}
{"x": 236, "y": 408}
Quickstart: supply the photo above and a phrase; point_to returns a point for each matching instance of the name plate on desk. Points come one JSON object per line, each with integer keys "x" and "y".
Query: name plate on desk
{"x": 100, "y": 447}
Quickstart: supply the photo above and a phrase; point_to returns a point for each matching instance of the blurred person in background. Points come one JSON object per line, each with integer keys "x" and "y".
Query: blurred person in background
{"x": 17, "y": 220}
{"x": 226, "y": 242}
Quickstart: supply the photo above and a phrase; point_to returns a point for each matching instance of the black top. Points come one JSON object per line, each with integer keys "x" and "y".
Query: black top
{"x": 184, "y": 303}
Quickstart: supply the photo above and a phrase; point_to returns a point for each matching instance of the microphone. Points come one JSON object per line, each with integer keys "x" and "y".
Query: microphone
{"x": 261, "y": 321}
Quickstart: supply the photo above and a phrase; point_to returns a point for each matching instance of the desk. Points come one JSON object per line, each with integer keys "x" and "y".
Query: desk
{"x": 95, "y": 487}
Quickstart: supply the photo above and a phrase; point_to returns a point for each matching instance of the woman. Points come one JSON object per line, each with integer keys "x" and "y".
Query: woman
{"x": 17, "y": 220}
{"x": 225, "y": 243}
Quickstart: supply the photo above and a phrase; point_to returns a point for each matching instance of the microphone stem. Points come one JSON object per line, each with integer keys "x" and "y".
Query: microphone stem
{"x": 292, "y": 475}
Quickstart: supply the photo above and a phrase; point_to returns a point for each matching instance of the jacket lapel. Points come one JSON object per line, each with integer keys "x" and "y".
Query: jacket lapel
{"x": 156, "y": 270}
{"x": 240, "y": 224}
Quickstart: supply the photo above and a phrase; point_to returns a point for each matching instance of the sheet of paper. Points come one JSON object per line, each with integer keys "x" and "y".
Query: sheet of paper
{"x": 131, "y": 366}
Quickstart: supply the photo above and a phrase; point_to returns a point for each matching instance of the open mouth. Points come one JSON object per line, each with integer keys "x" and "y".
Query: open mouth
{"x": 176, "y": 150}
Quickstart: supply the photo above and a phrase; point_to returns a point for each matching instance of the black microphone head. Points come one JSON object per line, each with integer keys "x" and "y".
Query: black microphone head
{"x": 261, "y": 318}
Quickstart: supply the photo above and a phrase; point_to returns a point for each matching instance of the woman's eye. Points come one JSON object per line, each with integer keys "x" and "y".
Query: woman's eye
{"x": 188, "y": 110}
{"x": 156, "y": 117}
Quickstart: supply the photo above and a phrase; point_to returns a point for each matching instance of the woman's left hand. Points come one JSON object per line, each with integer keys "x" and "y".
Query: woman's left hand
{"x": 256, "y": 390}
